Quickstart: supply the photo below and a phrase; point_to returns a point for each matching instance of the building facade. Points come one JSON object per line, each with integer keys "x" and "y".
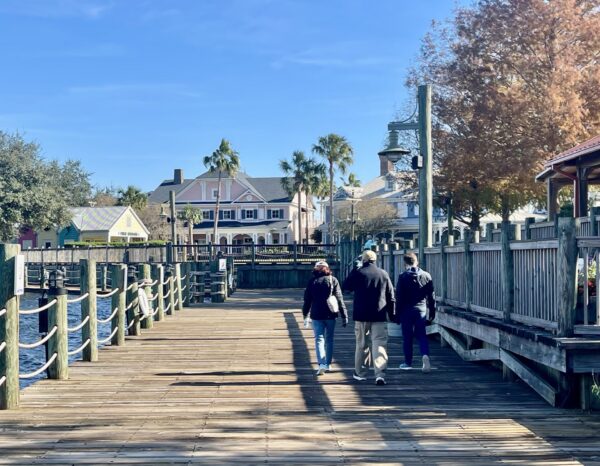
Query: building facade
{"x": 252, "y": 210}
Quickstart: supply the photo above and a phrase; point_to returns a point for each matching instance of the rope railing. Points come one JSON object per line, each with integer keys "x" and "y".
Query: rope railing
{"x": 2, "y": 346}
{"x": 168, "y": 307}
{"x": 2, "y": 312}
{"x": 131, "y": 324}
{"x": 154, "y": 313}
{"x": 37, "y": 309}
{"x": 131, "y": 304}
{"x": 176, "y": 303}
{"x": 107, "y": 295}
{"x": 184, "y": 277}
{"x": 108, "y": 338}
{"x": 78, "y": 350}
{"x": 167, "y": 281}
{"x": 167, "y": 295}
{"x": 80, "y": 326}
{"x": 153, "y": 298}
{"x": 76, "y": 300}
{"x": 2, "y": 380}
{"x": 39, "y": 342}
{"x": 41, "y": 369}
{"x": 130, "y": 287}
{"x": 184, "y": 299}
{"x": 109, "y": 318}
{"x": 145, "y": 283}
{"x": 183, "y": 288}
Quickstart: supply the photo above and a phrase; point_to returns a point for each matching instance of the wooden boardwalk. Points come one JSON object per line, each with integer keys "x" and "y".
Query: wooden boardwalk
{"x": 234, "y": 384}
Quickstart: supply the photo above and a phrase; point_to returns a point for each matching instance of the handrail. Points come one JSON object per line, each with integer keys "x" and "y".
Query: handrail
{"x": 107, "y": 339}
{"x": 80, "y": 326}
{"x": 108, "y": 295}
{"x": 38, "y": 309}
{"x": 41, "y": 369}
{"x": 109, "y": 318}
{"x": 77, "y": 350}
{"x": 39, "y": 342}
{"x": 76, "y": 300}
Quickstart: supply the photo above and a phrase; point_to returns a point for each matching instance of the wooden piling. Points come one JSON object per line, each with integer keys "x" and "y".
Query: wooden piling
{"x": 157, "y": 272}
{"x": 146, "y": 274}
{"x": 507, "y": 272}
{"x": 59, "y": 343}
{"x": 468, "y": 269}
{"x": 119, "y": 300}
{"x": 187, "y": 281}
{"x": 566, "y": 275}
{"x": 178, "y": 294}
{"x": 171, "y": 285}
{"x": 9, "y": 328}
{"x": 133, "y": 310}
{"x": 89, "y": 309}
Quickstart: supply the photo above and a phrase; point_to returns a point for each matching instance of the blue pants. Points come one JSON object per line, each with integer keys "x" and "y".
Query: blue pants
{"x": 324, "y": 340}
{"x": 413, "y": 325}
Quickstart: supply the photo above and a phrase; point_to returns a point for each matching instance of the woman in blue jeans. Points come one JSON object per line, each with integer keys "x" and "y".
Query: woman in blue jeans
{"x": 323, "y": 298}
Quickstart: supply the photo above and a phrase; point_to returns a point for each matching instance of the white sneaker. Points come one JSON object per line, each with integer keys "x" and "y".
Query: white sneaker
{"x": 379, "y": 381}
{"x": 405, "y": 367}
{"x": 321, "y": 370}
{"x": 360, "y": 378}
{"x": 426, "y": 364}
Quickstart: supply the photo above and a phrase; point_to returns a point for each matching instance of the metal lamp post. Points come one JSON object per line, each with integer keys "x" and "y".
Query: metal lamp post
{"x": 421, "y": 162}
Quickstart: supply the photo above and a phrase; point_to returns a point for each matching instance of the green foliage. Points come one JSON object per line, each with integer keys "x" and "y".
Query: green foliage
{"x": 74, "y": 180}
{"x": 133, "y": 197}
{"x": 317, "y": 236}
{"x": 31, "y": 193}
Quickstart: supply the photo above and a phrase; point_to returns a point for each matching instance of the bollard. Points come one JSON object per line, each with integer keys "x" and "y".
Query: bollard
{"x": 57, "y": 316}
{"x": 88, "y": 308}
{"x": 119, "y": 300}
{"x": 145, "y": 273}
{"x": 157, "y": 290}
{"x": 9, "y": 328}
{"x": 133, "y": 308}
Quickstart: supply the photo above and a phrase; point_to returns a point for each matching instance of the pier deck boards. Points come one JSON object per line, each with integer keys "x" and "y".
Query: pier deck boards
{"x": 234, "y": 383}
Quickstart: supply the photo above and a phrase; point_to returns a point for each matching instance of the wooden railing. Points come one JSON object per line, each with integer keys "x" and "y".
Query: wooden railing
{"x": 530, "y": 282}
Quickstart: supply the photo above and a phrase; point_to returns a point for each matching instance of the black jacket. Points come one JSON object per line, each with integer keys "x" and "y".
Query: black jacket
{"x": 415, "y": 291}
{"x": 373, "y": 293}
{"x": 317, "y": 291}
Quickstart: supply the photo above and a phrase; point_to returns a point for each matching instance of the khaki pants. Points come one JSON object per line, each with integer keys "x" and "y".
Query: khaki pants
{"x": 371, "y": 347}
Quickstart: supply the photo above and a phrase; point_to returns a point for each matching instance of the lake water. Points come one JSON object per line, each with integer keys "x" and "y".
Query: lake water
{"x": 32, "y": 359}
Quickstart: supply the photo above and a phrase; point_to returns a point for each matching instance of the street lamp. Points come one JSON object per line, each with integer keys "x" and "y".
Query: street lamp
{"x": 421, "y": 162}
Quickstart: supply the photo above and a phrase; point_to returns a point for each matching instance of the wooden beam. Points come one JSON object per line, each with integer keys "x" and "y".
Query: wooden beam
{"x": 481, "y": 354}
{"x": 529, "y": 377}
{"x": 566, "y": 276}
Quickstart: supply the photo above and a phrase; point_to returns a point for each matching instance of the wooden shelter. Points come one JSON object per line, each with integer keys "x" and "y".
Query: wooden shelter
{"x": 579, "y": 166}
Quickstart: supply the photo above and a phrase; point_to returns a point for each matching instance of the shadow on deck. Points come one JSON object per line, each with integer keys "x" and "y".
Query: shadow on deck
{"x": 225, "y": 384}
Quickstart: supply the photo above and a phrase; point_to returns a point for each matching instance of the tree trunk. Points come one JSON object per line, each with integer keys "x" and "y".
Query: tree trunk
{"x": 299, "y": 216}
{"x": 216, "y": 228}
{"x": 330, "y": 229}
{"x": 306, "y": 219}
{"x": 505, "y": 209}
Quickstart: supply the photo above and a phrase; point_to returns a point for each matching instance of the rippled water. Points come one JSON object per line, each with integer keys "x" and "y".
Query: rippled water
{"x": 32, "y": 359}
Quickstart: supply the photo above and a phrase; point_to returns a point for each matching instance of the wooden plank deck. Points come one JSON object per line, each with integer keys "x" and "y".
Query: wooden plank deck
{"x": 234, "y": 385}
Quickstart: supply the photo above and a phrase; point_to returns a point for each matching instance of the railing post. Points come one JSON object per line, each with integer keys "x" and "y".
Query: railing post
{"x": 468, "y": 238}
{"x": 104, "y": 277}
{"x": 59, "y": 343}
{"x": 595, "y": 211}
{"x": 517, "y": 232}
{"x": 295, "y": 252}
{"x": 9, "y": 328}
{"x": 146, "y": 322}
{"x": 393, "y": 248}
{"x": 119, "y": 300}
{"x": 489, "y": 232}
{"x": 444, "y": 284}
{"x": 528, "y": 222}
{"x": 157, "y": 290}
{"x": 385, "y": 252}
{"x": 566, "y": 275}
{"x": 89, "y": 309}
{"x": 507, "y": 273}
{"x": 133, "y": 311}
{"x": 179, "y": 295}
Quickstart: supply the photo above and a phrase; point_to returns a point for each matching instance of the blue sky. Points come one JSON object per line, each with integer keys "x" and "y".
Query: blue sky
{"x": 136, "y": 88}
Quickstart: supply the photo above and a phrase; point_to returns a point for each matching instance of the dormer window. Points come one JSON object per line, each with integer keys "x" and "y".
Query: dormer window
{"x": 215, "y": 193}
{"x": 391, "y": 184}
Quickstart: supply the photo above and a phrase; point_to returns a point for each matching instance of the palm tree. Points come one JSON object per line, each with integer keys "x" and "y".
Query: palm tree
{"x": 351, "y": 181}
{"x": 336, "y": 150}
{"x": 315, "y": 174}
{"x": 133, "y": 197}
{"x": 294, "y": 181}
{"x": 322, "y": 192}
{"x": 224, "y": 159}
{"x": 191, "y": 215}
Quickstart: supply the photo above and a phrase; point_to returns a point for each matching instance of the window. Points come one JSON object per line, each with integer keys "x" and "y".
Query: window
{"x": 391, "y": 185}
{"x": 227, "y": 215}
{"x": 275, "y": 214}
{"x": 249, "y": 214}
{"x": 402, "y": 209}
{"x": 205, "y": 214}
{"x": 48, "y": 244}
{"x": 215, "y": 192}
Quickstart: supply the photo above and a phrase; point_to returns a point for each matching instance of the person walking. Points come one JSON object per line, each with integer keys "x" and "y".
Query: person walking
{"x": 415, "y": 307}
{"x": 373, "y": 304}
{"x": 323, "y": 298}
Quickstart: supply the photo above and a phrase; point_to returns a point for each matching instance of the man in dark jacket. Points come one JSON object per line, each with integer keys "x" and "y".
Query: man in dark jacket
{"x": 373, "y": 303}
{"x": 415, "y": 306}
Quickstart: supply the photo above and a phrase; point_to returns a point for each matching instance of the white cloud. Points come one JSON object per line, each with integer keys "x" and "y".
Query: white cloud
{"x": 91, "y": 9}
{"x": 164, "y": 89}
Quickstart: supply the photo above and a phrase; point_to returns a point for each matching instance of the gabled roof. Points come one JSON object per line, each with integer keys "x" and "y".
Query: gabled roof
{"x": 96, "y": 218}
{"x": 161, "y": 194}
{"x": 270, "y": 189}
{"x": 586, "y": 147}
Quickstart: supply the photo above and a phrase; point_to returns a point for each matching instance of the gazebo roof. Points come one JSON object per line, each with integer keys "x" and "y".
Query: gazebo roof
{"x": 563, "y": 165}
